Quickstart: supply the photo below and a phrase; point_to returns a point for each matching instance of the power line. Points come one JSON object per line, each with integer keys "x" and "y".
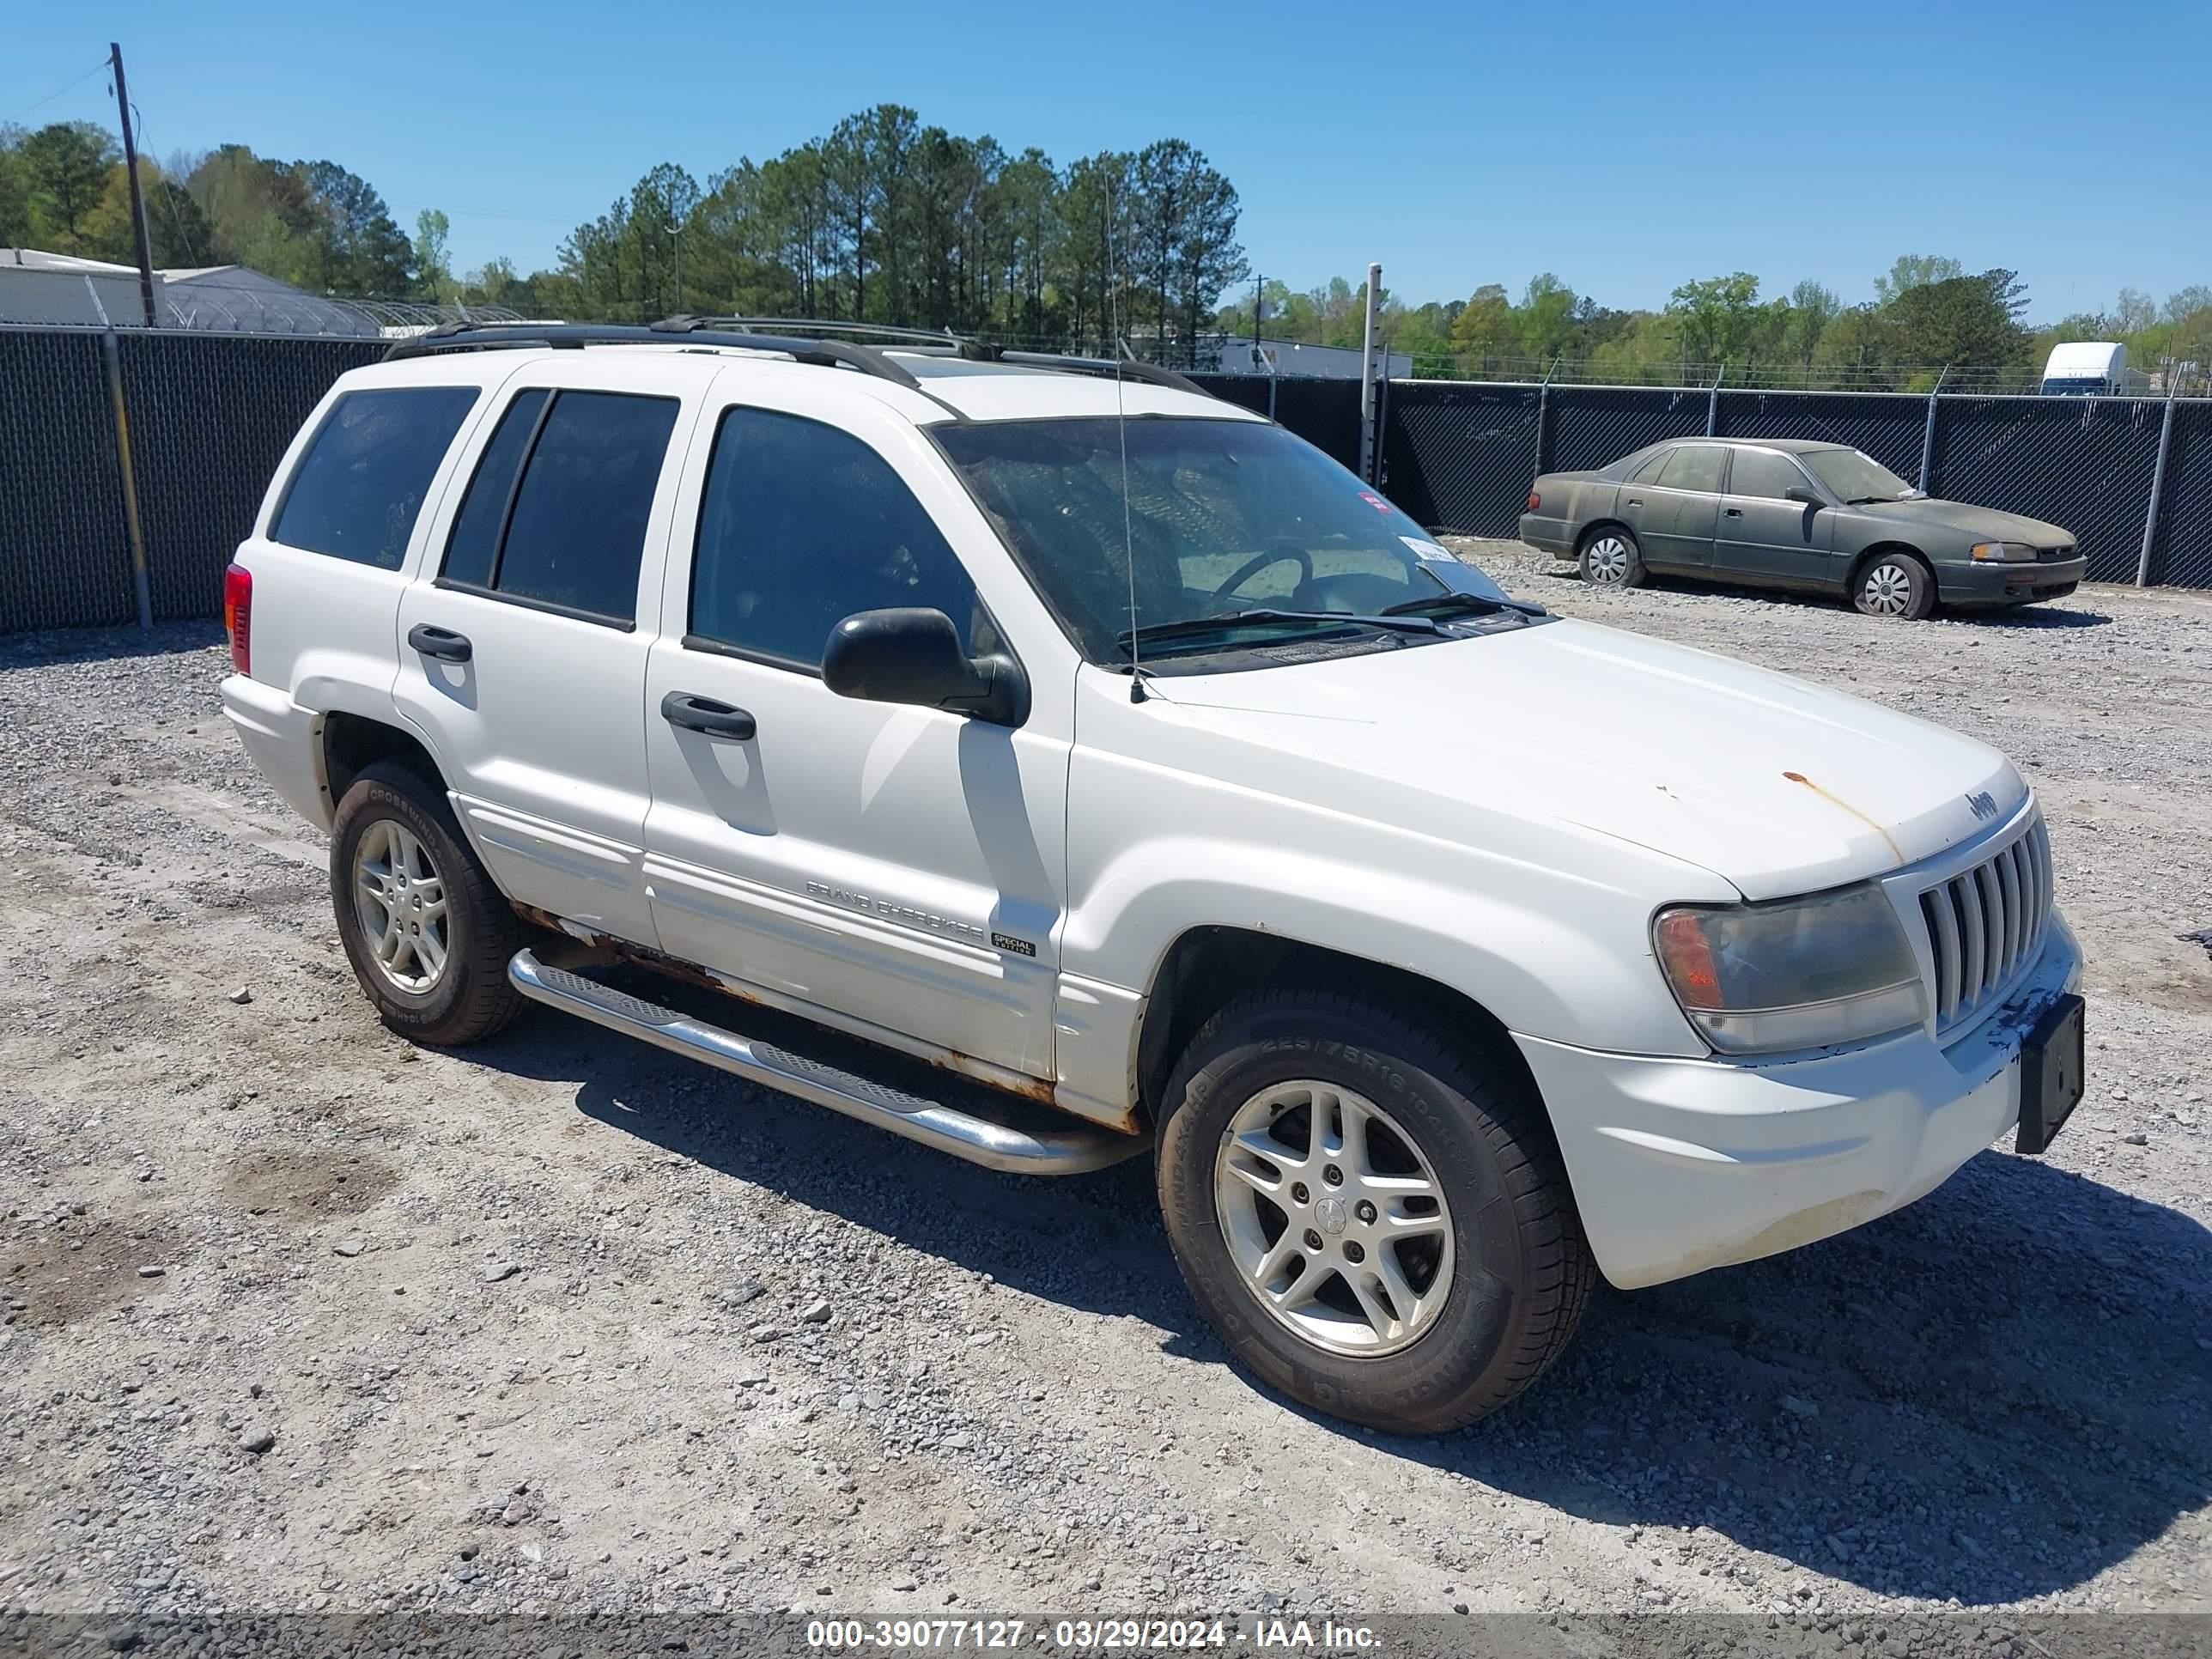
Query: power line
{"x": 56, "y": 93}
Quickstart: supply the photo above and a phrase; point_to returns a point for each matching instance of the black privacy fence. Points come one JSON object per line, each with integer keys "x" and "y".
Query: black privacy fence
{"x": 208, "y": 416}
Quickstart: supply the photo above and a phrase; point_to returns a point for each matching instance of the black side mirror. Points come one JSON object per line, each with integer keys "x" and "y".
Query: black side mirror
{"x": 907, "y": 654}
{"x": 1799, "y": 493}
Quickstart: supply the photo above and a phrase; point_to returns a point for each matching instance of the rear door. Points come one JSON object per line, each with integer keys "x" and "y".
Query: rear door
{"x": 1764, "y": 537}
{"x": 523, "y": 644}
{"x": 1674, "y": 506}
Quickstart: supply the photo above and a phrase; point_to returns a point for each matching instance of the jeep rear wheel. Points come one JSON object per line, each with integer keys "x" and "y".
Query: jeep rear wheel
{"x": 427, "y": 933}
{"x": 1376, "y": 1222}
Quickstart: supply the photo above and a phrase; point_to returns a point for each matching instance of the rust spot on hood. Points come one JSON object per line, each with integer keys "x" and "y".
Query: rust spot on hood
{"x": 1890, "y": 841}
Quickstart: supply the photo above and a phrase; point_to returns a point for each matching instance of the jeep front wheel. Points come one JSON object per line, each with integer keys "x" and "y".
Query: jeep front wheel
{"x": 1376, "y": 1221}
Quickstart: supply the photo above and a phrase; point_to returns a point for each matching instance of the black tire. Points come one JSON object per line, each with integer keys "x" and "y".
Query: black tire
{"x": 1894, "y": 587}
{"x": 1522, "y": 1272}
{"x": 1619, "y": 561}
{"x": 471, "y": 997}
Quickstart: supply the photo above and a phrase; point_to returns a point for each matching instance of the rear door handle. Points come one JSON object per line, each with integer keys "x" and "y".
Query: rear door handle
{"x": 1636, "y": 501}
{"x": 1731, "y": 512}
{"x": 442, "y": 643}
{"x": 716, "y": 720}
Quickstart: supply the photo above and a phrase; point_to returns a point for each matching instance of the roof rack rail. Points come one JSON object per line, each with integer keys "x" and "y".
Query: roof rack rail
{"x": 495, "y": 336}
{"x": 824, "y": 325}
{"x": 1125, "y": 368}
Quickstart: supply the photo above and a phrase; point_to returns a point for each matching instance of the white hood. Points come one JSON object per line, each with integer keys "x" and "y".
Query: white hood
{"x": 1778, "y": 786}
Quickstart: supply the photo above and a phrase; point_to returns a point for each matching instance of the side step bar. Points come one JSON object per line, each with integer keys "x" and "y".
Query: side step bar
{"x": 994, "y": 1146}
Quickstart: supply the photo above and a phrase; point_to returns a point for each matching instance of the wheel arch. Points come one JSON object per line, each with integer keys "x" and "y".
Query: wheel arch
{"x": 1597, "y": 526}
{"x": 349, "y": 743}
{"x": 1207, "y": 968}
{"x": 1868, "y": 555}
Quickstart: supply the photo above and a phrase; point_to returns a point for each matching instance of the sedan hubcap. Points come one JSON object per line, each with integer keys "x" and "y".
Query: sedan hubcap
{"x": 400, "y": 900}
{"x": 1335, "y": 1218}
{"x": 1608, "y": 559}
{"x": 1889, "y": 591}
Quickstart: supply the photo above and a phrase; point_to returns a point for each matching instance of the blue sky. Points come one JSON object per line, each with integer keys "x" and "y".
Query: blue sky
{"x": 1626, "y": 146}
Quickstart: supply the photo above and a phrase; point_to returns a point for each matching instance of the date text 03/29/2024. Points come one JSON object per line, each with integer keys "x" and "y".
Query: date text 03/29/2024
{"x": 1087, "y": 1635}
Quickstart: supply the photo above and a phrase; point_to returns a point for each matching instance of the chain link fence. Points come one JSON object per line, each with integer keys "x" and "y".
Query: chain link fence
{"x": 210, "y": 416}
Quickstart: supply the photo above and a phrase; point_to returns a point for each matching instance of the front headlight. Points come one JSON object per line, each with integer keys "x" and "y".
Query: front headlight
{"x": 1807, "y": 973}
{"x": 2005, "y": 552}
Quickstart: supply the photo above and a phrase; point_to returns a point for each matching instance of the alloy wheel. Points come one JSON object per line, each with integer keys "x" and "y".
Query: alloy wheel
{"x": 1335, "y": 1218}
{"x": 399, "y": 896}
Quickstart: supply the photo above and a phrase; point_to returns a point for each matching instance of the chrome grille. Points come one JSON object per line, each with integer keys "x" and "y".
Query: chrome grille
{"x": 1985, "y": 925}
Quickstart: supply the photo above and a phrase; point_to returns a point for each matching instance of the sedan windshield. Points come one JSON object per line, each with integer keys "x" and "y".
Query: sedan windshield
{"x": 1856, "y": 477}
{"x": 1222, "y": 519}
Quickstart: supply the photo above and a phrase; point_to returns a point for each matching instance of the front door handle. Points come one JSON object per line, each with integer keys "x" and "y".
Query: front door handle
{"x": 716, "y": 720}
{"x": 1731, "y": 512}
{"x": 442, "y": 643}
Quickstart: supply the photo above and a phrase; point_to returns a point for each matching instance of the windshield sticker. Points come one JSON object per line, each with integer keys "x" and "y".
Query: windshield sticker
{"x": 1433, "y": 552}
{"x": 1374, "y": 501}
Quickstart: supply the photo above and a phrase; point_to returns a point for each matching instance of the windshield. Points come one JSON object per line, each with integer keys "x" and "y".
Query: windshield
{"x": 1856, "y": 477}
{"x": 1223, "y": 516}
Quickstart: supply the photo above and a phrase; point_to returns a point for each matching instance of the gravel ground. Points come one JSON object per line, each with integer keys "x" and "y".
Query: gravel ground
{"x": 298, "y": 1317}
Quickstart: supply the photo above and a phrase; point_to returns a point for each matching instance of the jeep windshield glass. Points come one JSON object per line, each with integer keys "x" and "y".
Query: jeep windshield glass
{"x": 1856, "y": 477}
{"x": 1223, "y": 517}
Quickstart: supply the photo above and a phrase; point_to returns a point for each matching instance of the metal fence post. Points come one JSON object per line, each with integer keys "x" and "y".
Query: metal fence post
{"x": 1367, "y": 376}
{"x": 1927, "y": 432}
{"x": 1543, "y": 408}
{"x": 111, "y": 352}
{"x": 1713, "y": 404}
{"x": 2157, "y": 487}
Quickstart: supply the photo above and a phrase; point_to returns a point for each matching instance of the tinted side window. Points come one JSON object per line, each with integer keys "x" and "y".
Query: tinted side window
{"x": 801, "y": 526}
{"x": 578, "y": 527}
{"x": 473, "y": 549}
{"x": 1760, "y": 472}
{"x": 357, "y": 489}
{"x": 1694, "y": 466}
{"x": 1649, "y": 472}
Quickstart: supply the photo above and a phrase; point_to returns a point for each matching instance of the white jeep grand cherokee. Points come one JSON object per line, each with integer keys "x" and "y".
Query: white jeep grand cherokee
{"x": 1096, "y": 741}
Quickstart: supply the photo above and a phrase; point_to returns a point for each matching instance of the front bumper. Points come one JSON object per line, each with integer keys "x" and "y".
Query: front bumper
{"x": 1972, "y": 582}
{"x": 1550, "y": 535}
{"x": 1678, "y": 1165}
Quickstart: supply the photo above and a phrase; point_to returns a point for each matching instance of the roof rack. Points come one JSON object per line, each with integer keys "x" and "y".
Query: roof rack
{"x": 806, "y": 347}
{"x": 925, "y": 342}
{"x": 495, "y": 336}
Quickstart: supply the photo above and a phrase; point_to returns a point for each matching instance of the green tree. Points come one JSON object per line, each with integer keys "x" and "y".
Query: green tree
{"x": 1912, "y": 270}
{"x": 64, "y": 168}
{"x": 1960, "y": 320}
{"x": 434, "y": 270}
{"x": 1717, "y": 317}
{"x": 352, "y": 245}
{"x": 1812, "y": 307}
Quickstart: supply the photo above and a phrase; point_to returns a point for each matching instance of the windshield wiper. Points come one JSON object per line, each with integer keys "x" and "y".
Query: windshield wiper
{"x": 1462, "y": 604}
{"x": 1193, "y": 627}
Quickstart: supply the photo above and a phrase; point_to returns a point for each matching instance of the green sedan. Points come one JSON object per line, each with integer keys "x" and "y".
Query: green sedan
{"x": 1818, "y": 517}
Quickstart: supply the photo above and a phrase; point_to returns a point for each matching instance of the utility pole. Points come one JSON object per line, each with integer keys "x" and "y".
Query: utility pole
{"x": 1259, "y": 305}
{"x": 138, "y": 194}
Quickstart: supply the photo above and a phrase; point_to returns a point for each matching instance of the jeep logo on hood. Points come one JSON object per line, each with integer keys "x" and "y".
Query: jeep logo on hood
{"x": 1984, "y": 804}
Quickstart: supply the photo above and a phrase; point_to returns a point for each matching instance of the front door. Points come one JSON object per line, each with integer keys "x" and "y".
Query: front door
{"x": 901, "y": 867}
{"x": 1673, "y": 514}
{"x": 1764, "y": 536}
{"x": 523, "y": 644}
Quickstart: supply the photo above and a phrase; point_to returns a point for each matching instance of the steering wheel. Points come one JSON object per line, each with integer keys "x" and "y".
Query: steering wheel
{"x": 1277, "y": 552}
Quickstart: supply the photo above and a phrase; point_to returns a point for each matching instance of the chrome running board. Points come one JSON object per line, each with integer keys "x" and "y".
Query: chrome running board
{"x": 979, "y": 1141}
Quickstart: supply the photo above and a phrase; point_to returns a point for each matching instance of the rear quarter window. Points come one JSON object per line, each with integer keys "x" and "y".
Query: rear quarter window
{"x": 356, "y": 493}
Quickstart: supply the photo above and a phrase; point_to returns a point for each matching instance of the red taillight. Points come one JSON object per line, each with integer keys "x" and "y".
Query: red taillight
{"x": 1535, "y": 500}
{"x": 238, "y": 615}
